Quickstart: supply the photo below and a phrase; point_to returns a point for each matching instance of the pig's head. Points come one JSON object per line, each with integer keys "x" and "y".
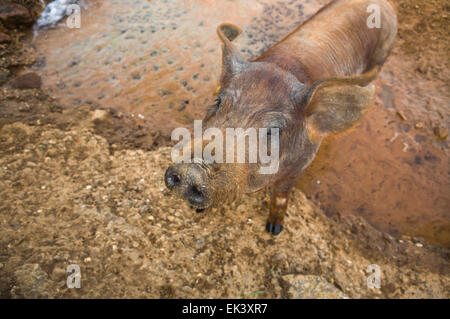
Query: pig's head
{"x": 262, "y": 95}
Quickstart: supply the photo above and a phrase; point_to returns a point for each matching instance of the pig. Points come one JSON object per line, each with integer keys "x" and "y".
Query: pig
{"x": 315, "y": 82}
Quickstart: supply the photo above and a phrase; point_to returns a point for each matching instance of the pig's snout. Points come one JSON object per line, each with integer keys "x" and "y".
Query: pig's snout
{"x": 190, "y": 182}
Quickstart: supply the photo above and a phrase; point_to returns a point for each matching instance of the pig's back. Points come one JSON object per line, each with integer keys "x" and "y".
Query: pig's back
{"x": 336, "y": 41}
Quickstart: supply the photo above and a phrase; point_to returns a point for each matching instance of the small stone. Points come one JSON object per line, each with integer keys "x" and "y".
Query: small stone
{"x": 4, "y": 73}
{"x": 200, "y": 243}
{"x": 4, "y": 38}
{"x": 99, "y": 115}
{"x": 402, "y": 115}
{"x": 87, "y": 260}
{"x": 279, "y": 258}
{"x": 310, "y": 287}
{"x": 441, "y": 132}
{"x": 13, "y": 15}
{"x": 27, "y": 81}
{"x": 419, "y": 125}
{"x": 419, "y": 245}
{"x": 58, "y": 272}
{"x": 144, "y": 209}
{"x": 31, "y": 282}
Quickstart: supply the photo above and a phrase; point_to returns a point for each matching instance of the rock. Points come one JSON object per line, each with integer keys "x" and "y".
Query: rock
{"x": 31, "y": 282}
{"x": 99, "y": 115}
{"x": 441, "y": 132}
{"x": 27, "y": 81}
{"x": 310, "y": 287}
{"x": 402, "y": 115}
{"x": 4, "y": 73}
{"x": 13, "y": 15}
{"x": 4, "y": 38}
{"x": 58, "y": 273}
{"x": 144, "y": 209}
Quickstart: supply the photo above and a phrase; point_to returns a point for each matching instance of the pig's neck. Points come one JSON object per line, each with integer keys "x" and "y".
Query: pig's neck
{"x": 335, "y": 42}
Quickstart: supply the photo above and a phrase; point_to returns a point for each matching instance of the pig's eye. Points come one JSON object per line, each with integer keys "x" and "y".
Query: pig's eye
{"x": 218, "y": 101}
{"x": 213, "y": 109}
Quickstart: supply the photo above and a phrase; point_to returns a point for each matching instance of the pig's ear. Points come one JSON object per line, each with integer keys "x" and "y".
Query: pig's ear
{"x": 336, "y": 104}
{"x": 232, "y": 60}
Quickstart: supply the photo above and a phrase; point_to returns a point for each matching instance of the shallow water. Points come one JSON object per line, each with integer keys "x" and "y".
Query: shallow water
{"x": 160, "y": 60}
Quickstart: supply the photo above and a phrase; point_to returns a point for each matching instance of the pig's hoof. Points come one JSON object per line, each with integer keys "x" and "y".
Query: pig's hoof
{"x": 274, "y": 229}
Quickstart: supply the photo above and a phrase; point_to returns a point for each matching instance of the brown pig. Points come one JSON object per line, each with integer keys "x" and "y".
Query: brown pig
{"x": 314, "y": 82}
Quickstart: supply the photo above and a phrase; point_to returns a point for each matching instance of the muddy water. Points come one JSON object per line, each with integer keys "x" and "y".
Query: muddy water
{"x": 388, "y": 172}
{"x": 160, "y": 61}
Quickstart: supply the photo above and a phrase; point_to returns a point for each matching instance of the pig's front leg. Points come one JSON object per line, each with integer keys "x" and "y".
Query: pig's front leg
{"x": 278, "y": 205}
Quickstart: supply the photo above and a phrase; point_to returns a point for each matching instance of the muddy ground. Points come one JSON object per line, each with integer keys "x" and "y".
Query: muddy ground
{"x": 85, "y": 186}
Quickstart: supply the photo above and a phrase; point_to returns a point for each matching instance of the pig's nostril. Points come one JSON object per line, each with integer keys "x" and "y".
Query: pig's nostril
{"x": 196, "y": 191}
{"x": 172, "y": 179}
{"x": 196, "y": 196}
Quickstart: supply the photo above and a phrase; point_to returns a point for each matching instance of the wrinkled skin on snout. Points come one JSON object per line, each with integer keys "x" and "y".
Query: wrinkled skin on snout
{"x": 262, "y": 94}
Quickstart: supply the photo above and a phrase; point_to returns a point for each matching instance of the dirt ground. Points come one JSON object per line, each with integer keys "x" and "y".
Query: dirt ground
{"x": 85, "y": 186}
{"x": 68, "y": 200}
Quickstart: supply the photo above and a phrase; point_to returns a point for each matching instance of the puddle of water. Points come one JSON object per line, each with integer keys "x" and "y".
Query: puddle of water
{"x": 388, "y": 174}
{"x": 161, "y": 59}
